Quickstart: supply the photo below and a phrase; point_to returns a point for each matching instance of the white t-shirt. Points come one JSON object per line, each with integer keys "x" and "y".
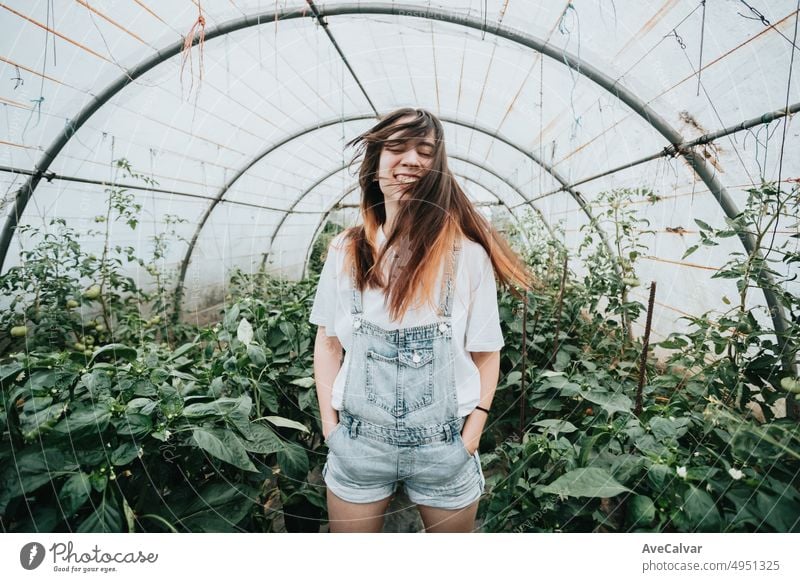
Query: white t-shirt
{"x": 474, "y": 315}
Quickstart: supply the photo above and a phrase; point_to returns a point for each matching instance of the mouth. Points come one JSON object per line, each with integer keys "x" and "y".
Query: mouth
{"x": 406, "y": 178}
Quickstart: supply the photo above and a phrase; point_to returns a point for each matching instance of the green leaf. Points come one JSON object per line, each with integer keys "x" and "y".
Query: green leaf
{"x": 9, "y": 371}
{"x": 303, "y": 382}
{"x": 307, "y": 400}
{"x": 293, "y": 461}
{"x": 98, "y": 481}
{"x": 288, "y": 330}
{"x": 85, "y": 420}
{"x": 663, "y": 429}
{"x": 700, "y": 510}
{"x": 586, "y": 482}
{"x": 216, "y": 507}
{"x": 141, "y": 406}
{"x": 120, "y": 351}
{"x": 659, "y": 475}
{"x": 219, "y": 407}
{"x": 609, "y": 401}
{"x": 124, "y": 454}
{"x": 626, "y": 467}
{"x": 690, "y": 250}
{"x": 257, "y": 356}
{"x": 35, "y": 418}
{"x": 244, "y": 333}
{"x": 224, "y": 445}
{"x": 135, "y": 425}
{"x": 285, "y": 422}
{"x": 513, "y": 378}
{"x": 554, "y": 426}
{"x": 641, "y": 511}
{"x": 184, "y": 349}
{"x": 261, "y": 439}
{"x": 703, "y": 225}
{"x": 74, "y": 493}
{"x": 106, "y": 518}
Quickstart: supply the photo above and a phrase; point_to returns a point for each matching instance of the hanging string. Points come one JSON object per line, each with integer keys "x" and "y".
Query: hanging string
{"x": 18, "y": 80}
{"x": 761, "y": 18}
{"x": 199, "y": 29}
{"x": 574, "y": 75}
{"x": 702, "y": 39}
{"x": 785, "y": 124}
{"x": 485, "y": 11}
{"x": 679, "y": 38}
{"x": 37, "y": 108}
{"x": 51, "y": 11}
{"x": 756, "y": 14}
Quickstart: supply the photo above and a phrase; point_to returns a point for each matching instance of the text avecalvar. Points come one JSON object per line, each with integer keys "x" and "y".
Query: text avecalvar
{"x": 671, "y": 549}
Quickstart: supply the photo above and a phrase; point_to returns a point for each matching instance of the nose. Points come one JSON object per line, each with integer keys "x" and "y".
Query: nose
{"x": 411, "y": 158}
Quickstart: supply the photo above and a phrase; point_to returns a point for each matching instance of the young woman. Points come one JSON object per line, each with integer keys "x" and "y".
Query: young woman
{"x": 411, "y": 298}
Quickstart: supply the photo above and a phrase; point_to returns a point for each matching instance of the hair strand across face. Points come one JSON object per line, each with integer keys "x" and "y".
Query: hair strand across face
{"x": 434, "y": 212}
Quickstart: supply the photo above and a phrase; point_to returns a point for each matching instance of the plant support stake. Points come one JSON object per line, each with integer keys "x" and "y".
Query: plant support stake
{"x": 645, "y": 342}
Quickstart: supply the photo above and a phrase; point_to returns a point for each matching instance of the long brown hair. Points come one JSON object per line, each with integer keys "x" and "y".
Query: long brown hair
{"x": 433, "y": 213}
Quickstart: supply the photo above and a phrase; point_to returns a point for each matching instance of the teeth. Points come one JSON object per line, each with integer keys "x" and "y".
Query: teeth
{"x": 406, "y": 179}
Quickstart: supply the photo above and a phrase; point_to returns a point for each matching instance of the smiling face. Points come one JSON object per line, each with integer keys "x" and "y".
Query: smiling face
{"x": 403, "y": 160}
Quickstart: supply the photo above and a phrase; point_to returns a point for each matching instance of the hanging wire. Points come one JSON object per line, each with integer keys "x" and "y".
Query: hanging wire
{"x": 785, "y": 120}
{"x": 485, "y": 12}
{"x": 37, "y": 108}
{"x": 91, "y": 11}
{"x": 713, "y": 106}
{"x": 18, "y": 80}
{"x": 43, "y": 76}
{"x": 755, "y": 14}
{"x": 702, "y": 42}
{"x": 574, "y": 74}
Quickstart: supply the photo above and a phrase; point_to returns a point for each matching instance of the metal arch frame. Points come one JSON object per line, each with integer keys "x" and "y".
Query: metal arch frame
{"x": 455, "y": 157}
{"x": 328, "y": 212}
{"x": 349, "y": 119}
{"x": 347, "y": 192}
{"x": 228, "y": 185}
{"x": 698, "y": 164}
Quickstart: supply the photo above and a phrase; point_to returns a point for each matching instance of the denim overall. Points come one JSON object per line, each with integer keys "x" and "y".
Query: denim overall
{"x": 399, "y": 419}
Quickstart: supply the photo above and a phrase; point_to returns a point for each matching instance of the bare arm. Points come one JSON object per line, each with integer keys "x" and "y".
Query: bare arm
{"x": 327, "y": 361}
{"x": 488, "y": 364}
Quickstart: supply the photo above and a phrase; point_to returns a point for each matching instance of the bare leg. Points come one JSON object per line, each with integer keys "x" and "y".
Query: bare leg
{"x": 438, "y": 520}
{"x": 349, "y": 517}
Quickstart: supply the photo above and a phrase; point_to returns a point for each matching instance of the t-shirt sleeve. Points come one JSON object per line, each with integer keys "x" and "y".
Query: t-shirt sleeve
{"x": 323, "y": 311}
{"x": 483, "y": 323}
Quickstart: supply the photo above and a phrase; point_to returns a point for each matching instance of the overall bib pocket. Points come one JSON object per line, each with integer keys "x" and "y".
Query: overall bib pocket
{"x": 400, "y": 384}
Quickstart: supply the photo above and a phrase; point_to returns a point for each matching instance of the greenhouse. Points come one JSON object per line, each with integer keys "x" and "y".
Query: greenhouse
{"x": 175, "y": 176}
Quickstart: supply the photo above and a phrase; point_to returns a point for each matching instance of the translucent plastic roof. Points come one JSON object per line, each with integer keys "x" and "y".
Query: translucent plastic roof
{"x": 245, "y": 138}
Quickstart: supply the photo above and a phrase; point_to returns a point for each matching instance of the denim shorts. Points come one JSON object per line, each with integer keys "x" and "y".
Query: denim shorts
{"x": 366, "y": 462}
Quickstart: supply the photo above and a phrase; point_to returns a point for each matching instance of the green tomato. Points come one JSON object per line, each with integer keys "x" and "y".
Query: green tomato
{"x": 631, "y": 281}
{"x": 92, "y": 292}
{"x": 791, "y": 384}
{"x": 156, "y": 319}
{"x": 72, "y": 304}
{"x": 87, "y": 353}
{"x": 79, "y": 346}
{"x": 19, "y": 331}
{"x": 100, "y": 328}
